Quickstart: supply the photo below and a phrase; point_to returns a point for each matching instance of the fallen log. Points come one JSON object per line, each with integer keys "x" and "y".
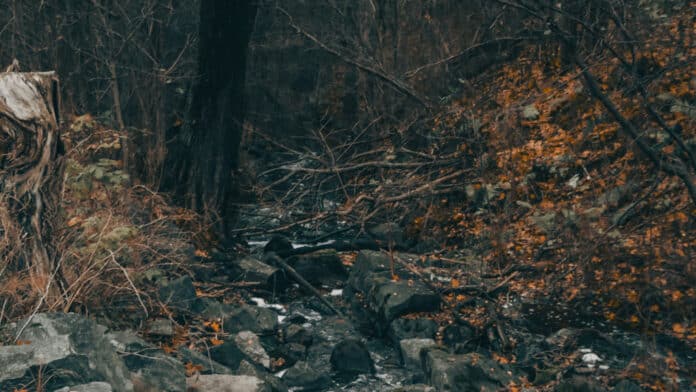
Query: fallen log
{"x": 31, "y": 170}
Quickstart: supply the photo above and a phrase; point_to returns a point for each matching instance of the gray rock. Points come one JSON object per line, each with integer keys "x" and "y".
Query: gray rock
{"x": 96, "y": 386}
{"x": 150, "y": 367}
{"x": 161, "y": 327}
{"x": 422, "y": 328}
{"x": 371, "y": 276}
{"x": 411, "y": 351}
{"x": 207, "y": 364}
{"x": 250, "y": 269}
{"x": 321, "y": 267}
{"x": 578, "y": 384}
{"x": 294, "y": 333}
{"x": 304, "y": 376}
{"x": 351, "y": 357}
{"x": 387, "y": 233}
{"x": 70, "y": 347}
{"x": 226, "y": 383}
{"x": 293, "y": 352}
{"x": 250, "y": 345}
{"x": 228, "y": 354}
{"x": 246, "y": 368}
{"x": 530, "y": 112}
{"x": 414, "y": 388}
{"x": 179, "y": 294}
{"x": 238, "y": 318}
{"x": 627, "y": 386}
{"x": 468, "y": 372}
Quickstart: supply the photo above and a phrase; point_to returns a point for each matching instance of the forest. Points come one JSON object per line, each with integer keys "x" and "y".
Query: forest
{"x": 347, "y": 195}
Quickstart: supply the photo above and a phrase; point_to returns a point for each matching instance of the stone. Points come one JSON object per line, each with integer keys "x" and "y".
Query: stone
{"x": 414, "y": 388}
{"x": 294, "y": 333}
{"x": 627, "y": 386}
{"x": 70, "y": 347}
{"x": 457, "y": 334}
{"x": 150, "y": 367}
{"x": 411, "y": 351}
{"x": 530, "y": 112}
{"x": 226, "y": 383}
{"x": 351, "y": 357}
{"x": 228, "y": 354}
{"x": 250, "y": 345}
{"x": 179, "y": 294}
{"x": 249, "y": 269}
{"x": 160, "y": 327}
{"x": 400, "y": 329}
{"x": 388, "y": 299}
{"x": 387, "y": 233}
{"x": 293, "y": 352}
{"x": 238, "y": 318}
{"x": 578, "y": 384}
{"x": 321, "y": 267}
{"x": 205, "y": 364}
{"x": 468, "y": 372}
{"x": 303, "y": 376}
{"x": 96, "y": 386}
{"x": 394, "y": 299}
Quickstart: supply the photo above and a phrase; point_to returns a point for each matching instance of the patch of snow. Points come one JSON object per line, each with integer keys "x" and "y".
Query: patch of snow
{"x": 573, "y": 182}
{"x": 296, "y": 245}
{"x": 336, "y": 292}
{"x": 281, "y": 318}
{"x": 585, "y": 350}
{"x": 261, "y": 303}
{"x": 257, "y": 244}
{"x": 281, "y": 373}
{"x": 591, "y": 359}
{"x": 604, "y": 367}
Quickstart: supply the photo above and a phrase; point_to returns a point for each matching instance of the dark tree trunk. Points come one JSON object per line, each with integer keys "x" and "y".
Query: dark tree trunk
{"x": 203, "y": 162}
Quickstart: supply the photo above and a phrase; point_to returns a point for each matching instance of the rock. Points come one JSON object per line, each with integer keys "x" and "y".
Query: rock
{"x": 250, "y": 345}
{"x": 161, "y": 327}
{"x": 530, "y": 113}
{"x": 226, "y": 383}
{"x": 394, "y": 299}
{"x": 228, "y": 354}
{"x": 278, "y": 244}
{"x": 351, "y": 357}
{"x": 150, "y": 367}
{"x": 411, "y": 351}
{"x": 71, "y": 348}
{"x": 304, "y": 376}
{"x": 627, "y": 386}
{"x": 250, "y": 269}
{"x": 246, "y": 368}
{"x": 457, "y": 334}
{"x": 238, "y": 318}
{"x": 578, "y": 384}
{"x": 387, "y": 233}
{"x": 388, "y": 299}
{"x": 414, "y": 388}
{"x": 422, "y": 328}
{"x": 96, "y": 386}
{"x": 206, "y": 364}
{"x": 468, "y": 372}
{"x": 293, "y": 352}
{"x": 294, "y": 333}
{"x": 321, "y": 267}
{"x": 179, "y": 294}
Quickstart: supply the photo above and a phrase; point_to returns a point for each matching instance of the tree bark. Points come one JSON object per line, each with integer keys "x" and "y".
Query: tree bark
{"x": 30, "y": 170}
{"x": 205, "y": 154}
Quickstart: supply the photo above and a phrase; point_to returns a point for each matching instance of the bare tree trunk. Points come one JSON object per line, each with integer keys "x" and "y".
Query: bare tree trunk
{"x": 30, "y": 171}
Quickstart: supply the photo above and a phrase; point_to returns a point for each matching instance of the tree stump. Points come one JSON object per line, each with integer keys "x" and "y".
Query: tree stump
{"x": 30, "y": 171}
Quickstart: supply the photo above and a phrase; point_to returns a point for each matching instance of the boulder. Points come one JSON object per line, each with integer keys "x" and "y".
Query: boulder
{"x": 71, "y": 348}
{"x": 388, "y": 234}
{"x": 226, "y": 383}
{"x": 160, "y": 327}
{"x": 303, "y": 376}
{"x": 96, "y": 386}
{"x": 250, "y": 345}
{"x": 249, "y": 269}
{"x": 351, "y": 357}
{"x": 205, "y": 364}
{"x": 294, "y": 333}
{"x": 389, "y": 299}
{"x": 321, "y": 267}
{"x": 228, "y": 354}
{"x": 468, "y": 372}
{"x": 150, "y": 367}
{"x": 179, "y": 294}
{"x": 422, "y": 328}
{"x": 293, "y": 352}
{"x": 411, "y": 351}
{"x": 237, "y": 318}
{"x": 578, "y": 384}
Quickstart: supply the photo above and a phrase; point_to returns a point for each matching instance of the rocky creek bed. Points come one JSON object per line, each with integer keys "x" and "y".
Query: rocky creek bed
{"x": 276, "y": 337}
